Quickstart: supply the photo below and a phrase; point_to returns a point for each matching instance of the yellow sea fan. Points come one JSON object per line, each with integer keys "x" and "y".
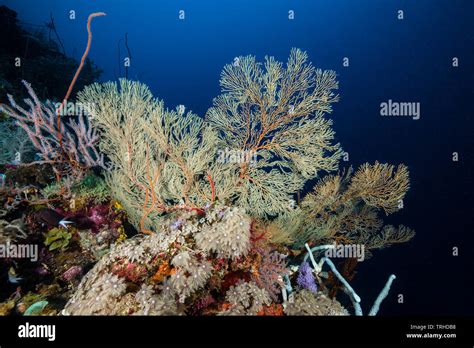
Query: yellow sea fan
{"x": 380, "y": 185}
{"x": 276, "y": 112}
{"x": 364, "y": 220}
{"x": 278, "y": 233}
{"x": 390, "y": 235}
{"x": 325, "y": 194}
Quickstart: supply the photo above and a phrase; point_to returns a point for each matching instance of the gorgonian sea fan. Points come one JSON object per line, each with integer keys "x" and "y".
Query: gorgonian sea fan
{"x": 270, "y": 272}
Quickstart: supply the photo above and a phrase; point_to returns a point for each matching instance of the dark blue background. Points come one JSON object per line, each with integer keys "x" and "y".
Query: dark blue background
{"x": 408, "y": 60}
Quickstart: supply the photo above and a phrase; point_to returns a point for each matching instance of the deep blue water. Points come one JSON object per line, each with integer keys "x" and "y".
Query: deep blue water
{"x": 406, "y": 60}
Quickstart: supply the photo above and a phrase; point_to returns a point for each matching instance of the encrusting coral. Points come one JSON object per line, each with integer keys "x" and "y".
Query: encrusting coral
{"x": 193, "y": 263}
{"x": 380, "y": 186}
{"x": 307, "y": 303}
{"x": 246, "y": 299}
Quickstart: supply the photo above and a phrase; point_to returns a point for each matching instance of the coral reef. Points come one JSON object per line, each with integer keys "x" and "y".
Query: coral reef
{"x": 174, "y": 264}
{"x": 162, "y": 212}
{"x": 180, "y": 151}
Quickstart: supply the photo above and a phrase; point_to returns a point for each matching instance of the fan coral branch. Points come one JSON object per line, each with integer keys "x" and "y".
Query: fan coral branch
{"x": 213, "y": 187}
{"x": 160, "y": 158}
{"x": 387, "y": 236}
{"x": 345, "y": 208}
{"x": 276, "y": 113}
{"x": 380, "y": 185}
{"x": 39, "y": 124}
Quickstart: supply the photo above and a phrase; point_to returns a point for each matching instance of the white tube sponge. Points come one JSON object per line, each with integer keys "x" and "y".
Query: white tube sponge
{"x": 375, "y": 307}
{"x": 350, "y": 290}
{"x": 317, "y": 267}
{"x": 347, "y": 288}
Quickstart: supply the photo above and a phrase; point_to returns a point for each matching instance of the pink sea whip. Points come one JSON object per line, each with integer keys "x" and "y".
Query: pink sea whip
{"x": 69, "y": 152}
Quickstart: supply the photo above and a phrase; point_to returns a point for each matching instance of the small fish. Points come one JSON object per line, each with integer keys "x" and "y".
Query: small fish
{"x": 48, "y": 217}
{"x": 65, "y": 223}
{"x": 12, "y": 276}
{"x": 51, "y": 218}
{"x": 36, "y": 308}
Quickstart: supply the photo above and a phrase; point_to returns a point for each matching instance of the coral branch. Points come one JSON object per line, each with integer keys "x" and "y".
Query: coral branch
{"x": 213, "y": 187}
{"x": 76, "y": 75}
{"x": 276, "y": 112}
{"x": 78, "y": 152}
{"x": 383, "y": 294}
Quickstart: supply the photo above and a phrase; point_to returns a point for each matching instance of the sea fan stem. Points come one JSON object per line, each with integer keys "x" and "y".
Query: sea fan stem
{"x": 76, "y": 75}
